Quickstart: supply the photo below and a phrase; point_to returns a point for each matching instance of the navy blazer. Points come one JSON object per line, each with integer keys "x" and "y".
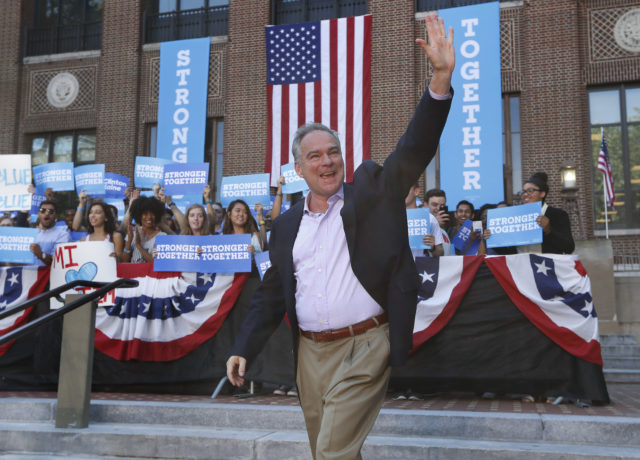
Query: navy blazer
{"x": 375, "y": 225}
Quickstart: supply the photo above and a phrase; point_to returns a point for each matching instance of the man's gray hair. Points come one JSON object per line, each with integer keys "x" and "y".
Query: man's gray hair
{"x": 306, "y": 129}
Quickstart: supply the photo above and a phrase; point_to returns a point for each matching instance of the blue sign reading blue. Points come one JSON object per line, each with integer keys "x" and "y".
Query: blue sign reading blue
{"x": 115, "y": 185}
{"x": 182, "y": 103}
{"x": 419, "y": 223}
{"x": 461, "y": 240}
{"x": 90, "y": 178}
{"x": 471, "y": 143}
{"x": 263, "y": 262}
{"x": 15, "y": 244}
{"x": 293, "y": 182}
{"x": 203, "y": 254}
{"x": 189, "y": 178}
{"x": 57, "y": 176}
{"x": 251, "y": 188}
{"x": 148, "y": 171}
{"x": 514, "y": 225}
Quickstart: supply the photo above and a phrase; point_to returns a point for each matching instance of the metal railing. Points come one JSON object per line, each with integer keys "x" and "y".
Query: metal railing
{"x": 291, "y": 12}
{"x": 179, "y": 25}
{"x": 626, "y": 262}
{"x": 63, "y": 39}
{"x": 101, "y": 290}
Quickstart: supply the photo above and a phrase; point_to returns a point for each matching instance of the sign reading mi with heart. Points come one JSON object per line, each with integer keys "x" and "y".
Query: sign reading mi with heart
{"x": 83, "y": 260}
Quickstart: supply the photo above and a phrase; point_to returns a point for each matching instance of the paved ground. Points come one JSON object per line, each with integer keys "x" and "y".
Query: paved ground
{"x": 625, "y": 402}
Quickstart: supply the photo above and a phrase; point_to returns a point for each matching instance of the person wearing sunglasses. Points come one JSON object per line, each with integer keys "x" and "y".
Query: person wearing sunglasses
{"x": 555, "y": 223}
{"x": 49, "y": 234}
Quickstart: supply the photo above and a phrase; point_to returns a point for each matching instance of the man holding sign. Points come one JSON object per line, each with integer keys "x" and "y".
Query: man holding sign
{"x": 49, "y": 234}
{"x": 342, "y": 270}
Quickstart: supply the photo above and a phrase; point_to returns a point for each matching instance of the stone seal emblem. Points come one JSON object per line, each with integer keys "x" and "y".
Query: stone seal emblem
{"x": 62, "y": 90}
{"x": 627, "y": 31}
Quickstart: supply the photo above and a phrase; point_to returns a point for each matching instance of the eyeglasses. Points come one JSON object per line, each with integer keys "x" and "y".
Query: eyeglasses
{"x": 529, "y": 191}
{"x": 47, "y": 211}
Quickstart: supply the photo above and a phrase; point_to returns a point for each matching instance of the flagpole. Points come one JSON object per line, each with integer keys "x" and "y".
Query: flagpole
{"x": 606, "y": 215}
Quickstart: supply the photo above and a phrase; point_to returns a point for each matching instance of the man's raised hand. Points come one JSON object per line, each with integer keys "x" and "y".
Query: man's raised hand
{"x": 440, "y": 52}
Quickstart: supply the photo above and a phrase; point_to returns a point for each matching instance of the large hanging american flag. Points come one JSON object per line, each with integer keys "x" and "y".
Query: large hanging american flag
{"x": 605, "y": 167}
{"x": 319, "y": 72}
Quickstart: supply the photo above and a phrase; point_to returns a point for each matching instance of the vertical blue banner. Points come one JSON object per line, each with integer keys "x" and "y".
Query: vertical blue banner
{"x": 471, "y": 144}
{"x": 182, "y": 104}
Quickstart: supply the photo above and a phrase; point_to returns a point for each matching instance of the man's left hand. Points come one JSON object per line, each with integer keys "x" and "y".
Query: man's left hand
{"x": 440, "y": 52}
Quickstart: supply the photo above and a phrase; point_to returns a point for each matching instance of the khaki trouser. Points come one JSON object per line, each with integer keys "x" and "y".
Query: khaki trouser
{"x": 342, "y": 385}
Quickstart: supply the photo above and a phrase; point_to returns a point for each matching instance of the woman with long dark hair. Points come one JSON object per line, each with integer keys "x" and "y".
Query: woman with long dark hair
{"x": 239, "y": 220}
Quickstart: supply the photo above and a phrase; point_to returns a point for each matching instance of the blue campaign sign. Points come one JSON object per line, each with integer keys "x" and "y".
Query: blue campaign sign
{"x": 471, "y": 143}
{"x": 218, "y": 253}
{"x": 118, "y": 204}
{"x": 419, "y": 223}
{"x": 514, "y": 225}
{"x": 57, "y": 176}
{"x": 185, "y": 178}
{"x": 263, "y": 262}
{"x": 251, "y": 188}
{"x": 115, "y": 185}
{"x": 148, "y": 171}
{"x": 15, "y": 243}
{"x": 184, "y": 201}
{"x": 78, "y": 236}
{"x": 293, "y": 182}
{"x": 461, "y": 239}
{"x": 15, "y": 179}
{"x": 182, "y": 103}
{"x": 90, "y": 178}
{"x": 36, "y": 199}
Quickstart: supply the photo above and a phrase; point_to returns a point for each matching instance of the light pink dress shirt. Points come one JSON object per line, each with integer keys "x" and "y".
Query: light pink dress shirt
{"x": 328, "y": 294}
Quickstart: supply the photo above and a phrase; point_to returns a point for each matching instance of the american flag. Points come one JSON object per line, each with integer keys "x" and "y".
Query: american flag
{"x": 319, "y": 72}
{"x": 605, "y": 167}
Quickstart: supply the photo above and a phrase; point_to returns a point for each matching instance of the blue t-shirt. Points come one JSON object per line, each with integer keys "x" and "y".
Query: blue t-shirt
{"x": 47, "y": 239}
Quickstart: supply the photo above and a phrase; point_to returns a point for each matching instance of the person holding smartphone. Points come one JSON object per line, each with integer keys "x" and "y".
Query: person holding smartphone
{"x": 436, "y": 201}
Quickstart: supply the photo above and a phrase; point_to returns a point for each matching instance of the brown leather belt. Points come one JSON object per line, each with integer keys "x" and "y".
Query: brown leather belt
{"x": 349, "y": 331}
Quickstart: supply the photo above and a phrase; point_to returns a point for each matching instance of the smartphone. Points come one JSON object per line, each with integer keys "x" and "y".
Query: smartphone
{"x": 444, "y": 207}
{"x": 477, "y": 226}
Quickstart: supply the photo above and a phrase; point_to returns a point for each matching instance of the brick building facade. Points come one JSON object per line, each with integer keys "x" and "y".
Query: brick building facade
{"x": 554, "y": 52}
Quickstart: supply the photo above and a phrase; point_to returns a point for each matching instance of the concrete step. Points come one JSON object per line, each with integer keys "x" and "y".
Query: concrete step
{"x": 622, "y": 363}
{"x": 621, "y": 351}
{"x": 621, "y": 375}
{"x": 396, "y": 422}
{"x": 168, "y": 442}
{"x": 618, "y": 339}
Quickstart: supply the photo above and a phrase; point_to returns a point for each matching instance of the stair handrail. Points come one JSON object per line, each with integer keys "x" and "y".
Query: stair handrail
{"x": 102, "y": 289}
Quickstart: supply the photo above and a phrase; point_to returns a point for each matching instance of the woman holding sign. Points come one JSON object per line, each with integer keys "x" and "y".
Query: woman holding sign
{"x": 239, "y": 220}
{"x": 102, "y": 228}
{"x": 555, "y": 223}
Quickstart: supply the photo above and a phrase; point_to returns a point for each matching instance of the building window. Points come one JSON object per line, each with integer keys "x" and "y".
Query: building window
{"x": 76, "y": 146}
{"x": 213, "y": 150}
{"x": 432, "y": 5}
{"x": 617, "y": 112}
{"x": 167, "y": 20}
{"x": 511, "y": 147}
{"x": 294, "y": 11}
{"x": 63, "y": 26}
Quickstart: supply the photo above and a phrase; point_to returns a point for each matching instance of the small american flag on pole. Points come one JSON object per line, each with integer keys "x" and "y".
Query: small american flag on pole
{"x": 605, "y": 167}
{"x": 319, "y": 72}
